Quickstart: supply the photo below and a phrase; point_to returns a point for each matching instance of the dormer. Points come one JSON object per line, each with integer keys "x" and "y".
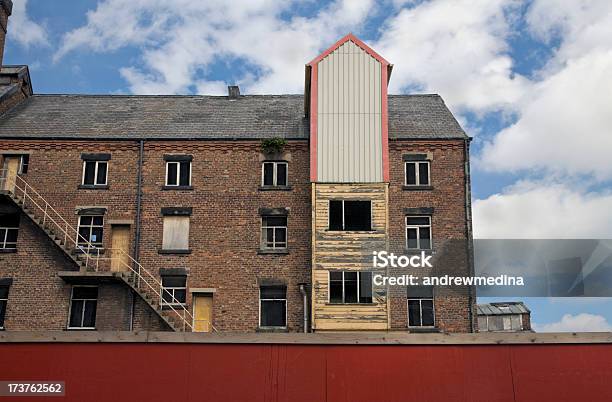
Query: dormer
{"x": 346, "y": 102}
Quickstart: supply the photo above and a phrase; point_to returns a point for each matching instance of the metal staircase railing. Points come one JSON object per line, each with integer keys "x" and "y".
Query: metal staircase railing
{"x": 142, "y": 280}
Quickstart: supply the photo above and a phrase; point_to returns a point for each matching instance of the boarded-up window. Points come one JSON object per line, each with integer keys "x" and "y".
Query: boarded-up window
{"x": 176, "y": 233}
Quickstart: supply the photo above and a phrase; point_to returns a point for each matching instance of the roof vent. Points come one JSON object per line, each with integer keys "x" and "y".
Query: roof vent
{"x": 233, "y": 91}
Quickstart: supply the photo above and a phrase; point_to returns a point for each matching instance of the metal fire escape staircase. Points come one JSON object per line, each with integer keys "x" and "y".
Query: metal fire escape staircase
{"x": 88, "y": 258}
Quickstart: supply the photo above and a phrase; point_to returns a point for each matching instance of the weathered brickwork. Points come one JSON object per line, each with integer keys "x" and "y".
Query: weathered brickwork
{"x": 224, "y": 228}
{"x": 449, "y": 229}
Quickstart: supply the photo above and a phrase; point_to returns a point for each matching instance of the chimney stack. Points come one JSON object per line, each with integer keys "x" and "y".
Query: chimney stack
{"x": 6, "y": 8}
{"x": 233, "y": 91}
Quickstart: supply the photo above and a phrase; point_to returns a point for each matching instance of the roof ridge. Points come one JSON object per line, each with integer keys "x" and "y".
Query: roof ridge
{"x": 161, "y": 96}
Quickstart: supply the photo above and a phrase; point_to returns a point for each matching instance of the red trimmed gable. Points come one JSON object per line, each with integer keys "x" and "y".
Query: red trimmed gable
{"x": 356, "y": 41}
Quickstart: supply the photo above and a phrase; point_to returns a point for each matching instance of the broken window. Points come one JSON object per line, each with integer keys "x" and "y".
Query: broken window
{"x": 178, "y": 173}
{"x": 84, "y": 302}
{"x": 420, "y": 306}
{"x": 273, "y": 306}
{"x": 274, "y": 232}
{"x": 350, "y": 215}
{"x": 176, "y": 233}
{"x": 417, "y": 173}
{"x": 91, "y": 230}
{"x": 9, "y": 227}
{"x": 174, "y": 290}
{"x": 418, "y": 232}
{"x": 350, "y": 287}
{"x": 24, "y": 163}
{"x": 94, "y": 173}
{"x": 274, "y": 174}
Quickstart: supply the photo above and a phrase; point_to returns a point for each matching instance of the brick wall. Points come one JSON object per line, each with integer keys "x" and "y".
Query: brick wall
{"x": 224, "y": 227}
{"x": 447, "y": 198}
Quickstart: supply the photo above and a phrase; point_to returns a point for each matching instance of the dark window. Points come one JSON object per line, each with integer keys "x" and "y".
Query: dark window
{"x": 178, "y": 173}
{"x": 83, "y": 307}
{"x": 350, "y": 215}
{"x": 25, "y": 162}
{"x": 420, "y": 306}
{"x": 91, "y": 230}
{"x": 274, "y": 232}
{"x": 9, "y": 227}
{"x": 418, "y": 232}
{"x": 350, "y": 287}
{"x": 274, "y": 174}
{"x": 3, "y": 301}
{"x": 417, "y": 173}
{"x": 174, "y": 290}
{"x": 273, "y": 306}
{"x": 94, "y": 173}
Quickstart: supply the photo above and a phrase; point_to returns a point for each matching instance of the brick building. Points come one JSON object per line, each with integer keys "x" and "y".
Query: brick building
{"x": 230, "y": 213}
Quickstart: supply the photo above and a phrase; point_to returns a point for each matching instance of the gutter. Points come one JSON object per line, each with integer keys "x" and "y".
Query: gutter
{"x": 136, "y": 250}
{"x": 468, "y": 230}
{"x": 305, "y": 300}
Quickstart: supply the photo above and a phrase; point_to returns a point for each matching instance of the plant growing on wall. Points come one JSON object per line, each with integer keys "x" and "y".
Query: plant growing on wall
{"x": 273, "y": 145}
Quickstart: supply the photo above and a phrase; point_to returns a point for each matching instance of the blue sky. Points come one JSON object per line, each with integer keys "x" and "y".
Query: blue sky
{"x": 529, "y": 80}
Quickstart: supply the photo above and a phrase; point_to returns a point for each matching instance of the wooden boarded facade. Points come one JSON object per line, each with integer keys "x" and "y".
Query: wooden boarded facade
{"x": 349, "y": 154}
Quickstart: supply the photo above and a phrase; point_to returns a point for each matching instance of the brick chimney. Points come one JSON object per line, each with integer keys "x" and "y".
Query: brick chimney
{"x": 6, "y": 8}
{"x": 233, "y": 91}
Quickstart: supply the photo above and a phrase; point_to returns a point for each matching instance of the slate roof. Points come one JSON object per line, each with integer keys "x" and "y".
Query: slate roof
{"x": 499, "y": 308}
{"x": 204, "y": 117}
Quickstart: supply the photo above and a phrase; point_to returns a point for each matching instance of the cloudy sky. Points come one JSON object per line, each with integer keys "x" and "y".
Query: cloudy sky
{"x": 529, "y": 80}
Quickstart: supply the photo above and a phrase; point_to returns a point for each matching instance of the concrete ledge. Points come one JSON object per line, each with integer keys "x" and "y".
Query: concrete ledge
{"x": 344, "y": 338}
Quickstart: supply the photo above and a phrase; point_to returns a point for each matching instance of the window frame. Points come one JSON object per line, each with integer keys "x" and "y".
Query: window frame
{"x": 260, "y": 312}
{"x": 4, "y": 306}
{"x": 84, "y": 304}
{"x": 163, "y": 303}
{"x": 418, "y": 228}
{"x": 79, "y": 225}
{"x": 178, "y": 173}
{"x": 96, "y": 167}
{"x": 24, "y": 163}
{"x": 264, "y": 237}
{"x": 420, "y": 300}
{"x": 344, "y": 217}
{"x": 417, "y": 173}
{"x": 344, "y": 290}
{"x": 274, "y": 173}
{"x": 503, "y": 329}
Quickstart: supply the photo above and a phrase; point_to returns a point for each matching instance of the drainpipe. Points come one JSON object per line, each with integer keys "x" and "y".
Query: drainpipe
{"x": 305, "y": 298}
{"x": 468, "y": 229}
{"x": 137, "y": 230}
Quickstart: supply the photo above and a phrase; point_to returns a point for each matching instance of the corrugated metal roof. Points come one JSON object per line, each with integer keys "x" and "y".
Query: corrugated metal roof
{"x": 502, "y": 308}
{"x": 204, "y": 117}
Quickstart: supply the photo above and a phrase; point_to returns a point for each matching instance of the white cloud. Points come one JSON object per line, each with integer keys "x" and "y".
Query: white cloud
{"x": 457, "y": 48}
{"x": 564, "y": 124}
{"x": 583, "y": 322}
{"x": 532, "y": 210}
{"x": 180, "y": 40}
{"x": 22, "y": 29}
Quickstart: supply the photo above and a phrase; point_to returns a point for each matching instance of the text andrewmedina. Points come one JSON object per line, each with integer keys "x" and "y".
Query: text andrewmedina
{"x": 447, "y": 280}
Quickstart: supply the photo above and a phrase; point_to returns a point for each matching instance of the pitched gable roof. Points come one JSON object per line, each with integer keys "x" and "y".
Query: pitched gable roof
{"x": 249, "y": 117}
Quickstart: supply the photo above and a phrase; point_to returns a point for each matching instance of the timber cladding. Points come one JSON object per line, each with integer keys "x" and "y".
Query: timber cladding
{"x": 347, "y": 251}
